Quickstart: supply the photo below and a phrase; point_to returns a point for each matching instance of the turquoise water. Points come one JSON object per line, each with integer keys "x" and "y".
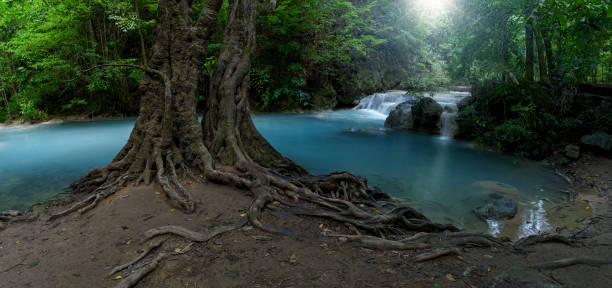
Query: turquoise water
{"x": 433, "y": 174}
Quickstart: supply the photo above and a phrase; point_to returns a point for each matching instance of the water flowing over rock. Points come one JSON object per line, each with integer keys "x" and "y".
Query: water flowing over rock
{"x": 384, "y": 103}
{"x": 432, "y": 112}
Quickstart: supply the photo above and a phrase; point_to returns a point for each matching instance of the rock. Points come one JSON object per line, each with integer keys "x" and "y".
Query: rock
{"x": 426, "y": 115}
{"x": 422, "y": 114}
{"x": 2, "y": 226}
{"x": 11, "y": 213}
{"x": 521, "y": 277}
{"x": 600, "y": 141}
{"x": 401, "y": 116}
{"x": 572, "y": 151}
{"x": 499, "y": 209}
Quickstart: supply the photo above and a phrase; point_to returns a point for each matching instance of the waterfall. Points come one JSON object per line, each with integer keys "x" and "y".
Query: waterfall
{"x": 448, "y": 126}
{"x": 384, "y": 103}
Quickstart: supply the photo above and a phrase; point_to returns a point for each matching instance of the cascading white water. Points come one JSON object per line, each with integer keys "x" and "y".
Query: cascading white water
{"x": 384, "y": 103}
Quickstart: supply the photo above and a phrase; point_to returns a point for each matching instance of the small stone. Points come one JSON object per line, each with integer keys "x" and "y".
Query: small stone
{"x": 293, "y": 259}
{"x": 390, "y": 271}
{"x": 450, "y": 277}
{"x": 469, "y": 270}
{"x": 572, "y": 151}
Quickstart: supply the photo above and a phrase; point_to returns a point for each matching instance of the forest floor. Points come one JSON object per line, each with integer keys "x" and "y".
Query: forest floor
{"x": 79, "y": 251}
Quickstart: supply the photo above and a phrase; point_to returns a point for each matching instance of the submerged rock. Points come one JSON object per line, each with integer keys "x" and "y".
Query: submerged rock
{"x": 365, "y": 131}
{"x": 497, "y": 190}
{"x": 500, "y": 209}
{"x": 599, "y": 140}
{"x": 401, "y": 116}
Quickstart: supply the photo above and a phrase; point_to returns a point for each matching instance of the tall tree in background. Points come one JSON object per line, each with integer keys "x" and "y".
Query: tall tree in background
{"x": 529, "y": 51}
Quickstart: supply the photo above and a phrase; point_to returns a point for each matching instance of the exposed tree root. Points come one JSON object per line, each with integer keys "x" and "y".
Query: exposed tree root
{"x": 90, "y": 202}
{"x": 144, "y": 254}
{"x": 192, "y": 235}
{"x": 436, "y": 254}
{"x": 380, "y": 243}
{"x": 131, "y": 280}
{"x": 572, "y": 261}
{"x": 535, "y": 239}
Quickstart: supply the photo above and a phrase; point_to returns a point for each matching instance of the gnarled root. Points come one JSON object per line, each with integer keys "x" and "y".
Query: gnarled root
{"x": 131, "y": 280}
{"x": 572, "y": 261}
{"x": 380, "y": 243}
{"x": 183, "y": 232}
{"x": 92, "y": 201}
{"x": 535, "y": 239}
{"x": 144, "y": 254}
{"x": 436, "y": 254}
{"x": 192, "y": 235}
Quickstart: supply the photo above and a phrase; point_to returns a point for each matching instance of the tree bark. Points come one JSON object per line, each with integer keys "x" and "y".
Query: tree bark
{"x": 541, "y": 56}
{"x": 529, "y": 55}
{"x": 550, "y": 58}
{"x": 228, "y": 128}
{"x": 167, "y": 139}
{"x": 505, "y": 54}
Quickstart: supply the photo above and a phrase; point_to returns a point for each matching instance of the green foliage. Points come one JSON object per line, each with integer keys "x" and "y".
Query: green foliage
{"x": 579, "y": 34}
{"x": 519, "y": 119}
{"x": 27, "y": 109}
{"x": 75, "y": 103}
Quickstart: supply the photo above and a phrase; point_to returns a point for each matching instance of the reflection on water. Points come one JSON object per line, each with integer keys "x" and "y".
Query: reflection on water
{"x": 434, "y": 175}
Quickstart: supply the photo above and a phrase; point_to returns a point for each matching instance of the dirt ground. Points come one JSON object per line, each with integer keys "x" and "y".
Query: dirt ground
{"x": 79, "y": 251}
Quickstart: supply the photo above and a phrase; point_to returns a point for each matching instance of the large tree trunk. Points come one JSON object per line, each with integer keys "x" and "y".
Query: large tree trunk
{"x": 167, "y": 139}
{"x": 228, "y": 128}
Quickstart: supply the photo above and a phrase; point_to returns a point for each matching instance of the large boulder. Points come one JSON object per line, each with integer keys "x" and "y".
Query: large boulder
{"x": 401, "y": 116}
{"x": 499, "y": 209}
{"x": 426, "y": 115}
{"x": 600, "y": 141}
{"x": 422, "y": 114}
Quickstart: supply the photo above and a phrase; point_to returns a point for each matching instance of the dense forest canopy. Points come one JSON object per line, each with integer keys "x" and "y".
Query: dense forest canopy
{"x": 311, "y": 54}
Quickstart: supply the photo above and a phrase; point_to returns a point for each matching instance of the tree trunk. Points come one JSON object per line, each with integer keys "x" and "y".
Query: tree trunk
{"x": 505, "y": 54}
{"x": 549, "y": 53}
{"x": 559, "y": 57}
{"x": 167, "y": 139}
{"x": 541, "y": 56}
{"x": 529, "y": 57}
{"x": 228, "y": 128}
